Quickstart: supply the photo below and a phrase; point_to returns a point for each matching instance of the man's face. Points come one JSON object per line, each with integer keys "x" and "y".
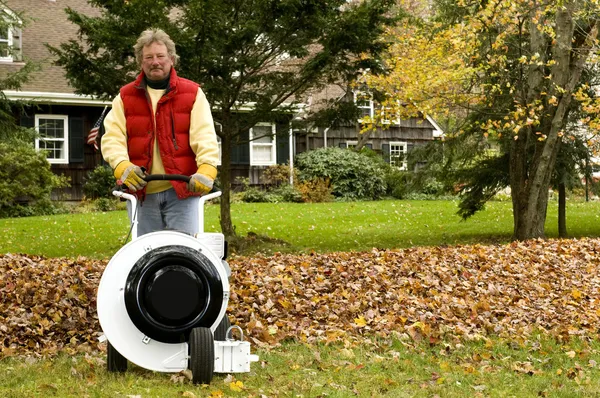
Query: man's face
{"x": 156, "y": 62}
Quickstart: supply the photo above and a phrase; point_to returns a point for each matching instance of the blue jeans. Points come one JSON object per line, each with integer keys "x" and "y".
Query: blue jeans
{"x": 165, "y": 211}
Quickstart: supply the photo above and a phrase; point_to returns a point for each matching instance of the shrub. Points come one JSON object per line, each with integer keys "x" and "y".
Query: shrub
{"x": 432, "y": 186}
{"x": 26, "y": 181}
{"x": 352, "y": 175}
{"x": 316, "y": 191}
{"x": 257, "y": 195}
{"x": 397, "y": 183}
{"x": 288, "y": 193}
{"x": 99, "y": 183}
{"x": 278, "y": 175}
{"x": 106, "y": 204}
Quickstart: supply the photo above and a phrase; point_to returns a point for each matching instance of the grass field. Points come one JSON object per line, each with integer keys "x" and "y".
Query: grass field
{"x": 533, "y": 367}
{"x": 323, "y": 227}
{"x": 492, "y": 368}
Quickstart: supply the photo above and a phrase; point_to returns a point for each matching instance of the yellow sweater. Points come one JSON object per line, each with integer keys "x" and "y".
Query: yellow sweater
{"x": 203, "y": 139}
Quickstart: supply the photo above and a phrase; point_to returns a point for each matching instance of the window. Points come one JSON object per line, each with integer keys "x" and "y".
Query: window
{"x": 10, "y": 36}
{"x": 262, "y": 145}
{"x": 364, "y": 102}
{"x": 398, "y": 152}
{"x": 5, "y": 43}
{"x": 53, "y": 137}
{"x": 351, "y": 144}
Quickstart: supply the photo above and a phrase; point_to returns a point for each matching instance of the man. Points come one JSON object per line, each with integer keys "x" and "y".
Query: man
{"x": 161, "y": 124}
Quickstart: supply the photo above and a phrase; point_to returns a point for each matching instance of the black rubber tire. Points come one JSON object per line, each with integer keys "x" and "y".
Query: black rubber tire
{"x": 221, "y": 330}
{"x": 115, "y": 362}
{"x": 202, "y": 355}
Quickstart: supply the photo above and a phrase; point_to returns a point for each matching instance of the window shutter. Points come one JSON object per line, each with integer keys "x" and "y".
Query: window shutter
{"x": 385, "y": 150}
{"x": 370, "y": 146}
{"x": 240, "y": 153}
{"x": 282, "y": 146}
{"x": 27, "y": 121}
{"x": 17, "y": 44}
{"x": 343, "y": 145}
{"x": 409, "y": 147}
{"x": 76, "y": 140}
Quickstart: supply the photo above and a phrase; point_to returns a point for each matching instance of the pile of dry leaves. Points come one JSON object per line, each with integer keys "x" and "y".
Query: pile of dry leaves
{"x": 433, "y": 293}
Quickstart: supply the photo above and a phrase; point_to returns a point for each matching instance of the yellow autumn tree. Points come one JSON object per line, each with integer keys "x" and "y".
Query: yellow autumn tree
{"x": 515, "y": 66}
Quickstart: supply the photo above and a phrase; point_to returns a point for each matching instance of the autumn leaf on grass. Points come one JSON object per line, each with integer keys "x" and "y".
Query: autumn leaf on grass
{"x": 236, "y": 386}
{"x": 361, "y": 322}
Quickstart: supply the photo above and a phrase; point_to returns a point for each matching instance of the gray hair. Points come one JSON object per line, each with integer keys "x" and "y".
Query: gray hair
{"x": 150, "y": 36}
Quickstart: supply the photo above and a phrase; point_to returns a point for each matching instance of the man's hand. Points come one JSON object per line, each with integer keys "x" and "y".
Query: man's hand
{"x": 131, "y": 175}
{"x": 203, "y": 180}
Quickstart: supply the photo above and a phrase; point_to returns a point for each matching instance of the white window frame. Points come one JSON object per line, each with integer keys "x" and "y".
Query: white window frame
{"x": 9, "y": 44}
{"x": 6, "y": 13}
{"x": 272, "y": 145}
{"x": 351, "y": 144}
{"x": 65, "y": 139}
{"x": 404, "y": 165}
{"x": 371, "y": 106}
{"x": 220, "y": 150}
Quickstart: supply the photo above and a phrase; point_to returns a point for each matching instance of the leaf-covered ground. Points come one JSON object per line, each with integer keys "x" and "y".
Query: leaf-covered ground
{"x": 435, "y": 293}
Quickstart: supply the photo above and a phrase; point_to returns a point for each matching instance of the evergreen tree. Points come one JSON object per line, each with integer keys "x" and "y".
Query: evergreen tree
{"x": 254, "y": 59}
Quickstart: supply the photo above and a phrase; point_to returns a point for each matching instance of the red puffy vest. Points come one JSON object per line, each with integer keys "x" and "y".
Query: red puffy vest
{"x": 172, "y": 127}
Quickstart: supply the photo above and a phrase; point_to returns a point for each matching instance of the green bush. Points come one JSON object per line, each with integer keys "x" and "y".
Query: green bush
{"x": 352, "y": 175}
{"x": 106, "y": 204}
{"x": 257, "y": 195}
{"x": 288, "y": 193}
{"x": 99, "y": 183}
{"x": 26, "y": 181}
{"x": 432, "y": 186}
{"x": 397, "y": 183}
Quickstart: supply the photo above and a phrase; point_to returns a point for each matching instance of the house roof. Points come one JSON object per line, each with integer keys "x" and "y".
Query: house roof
{"x": 46, "y": 23}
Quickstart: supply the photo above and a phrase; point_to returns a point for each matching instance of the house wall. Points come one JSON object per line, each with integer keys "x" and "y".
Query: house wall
{"x": 240, "y": 156}
{"x": 414, "y": 131}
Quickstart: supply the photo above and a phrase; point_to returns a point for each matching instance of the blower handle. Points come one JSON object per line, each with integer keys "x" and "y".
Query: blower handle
{"x": 170, "y": 177}
{"x": 119, "y": 192}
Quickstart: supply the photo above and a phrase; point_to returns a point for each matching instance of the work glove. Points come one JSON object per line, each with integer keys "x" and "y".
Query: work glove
{"x": 202, "y": 181}
{"x": 131, "y": 175}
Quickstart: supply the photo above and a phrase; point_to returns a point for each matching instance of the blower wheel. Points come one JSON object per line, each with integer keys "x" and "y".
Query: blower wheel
{"x": 221, "y": 330}
{"x": 115, "y": 362}
{"x": 202, "y": 355}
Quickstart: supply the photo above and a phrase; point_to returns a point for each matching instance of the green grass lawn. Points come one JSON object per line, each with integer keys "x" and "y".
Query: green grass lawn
{"x": 322, "y": 227}
{"x": 534, "y": 367}
{"x": 490, "y": 368}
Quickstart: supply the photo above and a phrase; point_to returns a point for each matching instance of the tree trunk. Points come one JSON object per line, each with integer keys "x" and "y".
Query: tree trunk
{"x": 530, "y": 179}
{"x": 225, "y": 176}
{"x": 519, "y": 184}
{"x": 562, "y": 210}
{"x": 362, "y": 137}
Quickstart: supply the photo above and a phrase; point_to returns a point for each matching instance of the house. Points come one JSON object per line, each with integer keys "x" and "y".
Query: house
{"x": 393, "y": 141}
{"x": 65, "y": 118}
